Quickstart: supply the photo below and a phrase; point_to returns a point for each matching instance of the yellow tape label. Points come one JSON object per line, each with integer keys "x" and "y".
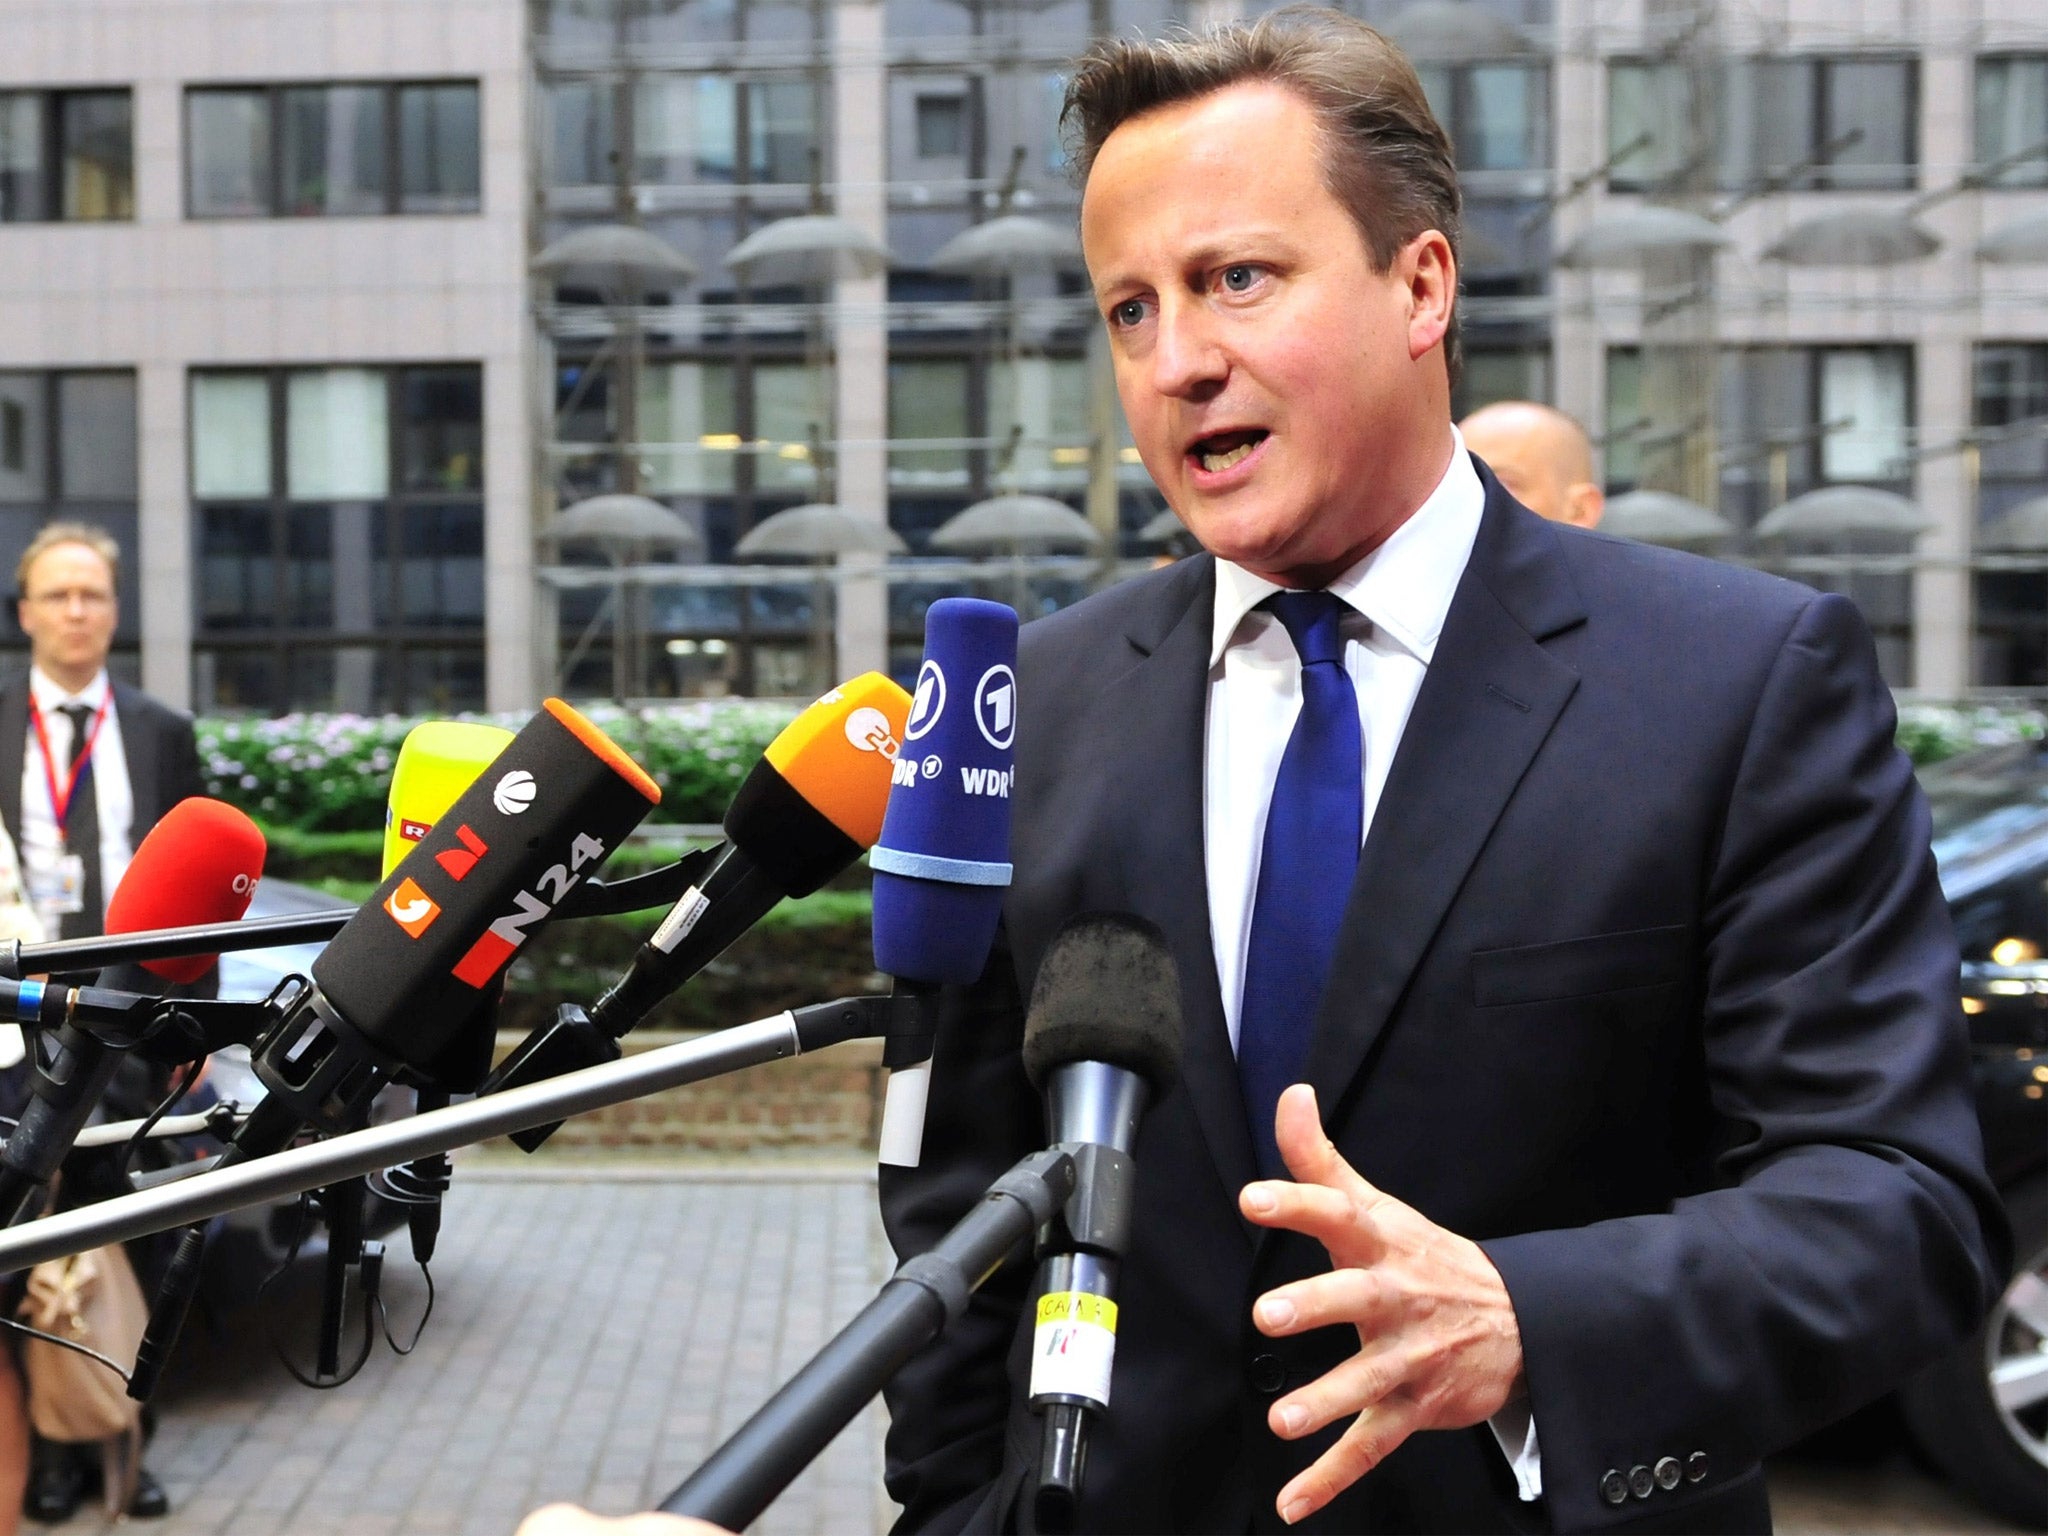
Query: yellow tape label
{"x": 1076, "y": 1307}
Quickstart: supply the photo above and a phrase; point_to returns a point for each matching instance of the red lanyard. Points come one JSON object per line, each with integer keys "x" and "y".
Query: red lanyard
{"x": 60, "y": 805}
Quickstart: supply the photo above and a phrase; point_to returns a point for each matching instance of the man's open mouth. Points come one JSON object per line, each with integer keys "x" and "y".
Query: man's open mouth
{"x": 1218, "y": 452}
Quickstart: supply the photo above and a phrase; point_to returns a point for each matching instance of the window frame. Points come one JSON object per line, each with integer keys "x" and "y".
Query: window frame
{"x": 2029, "y": 175}
{"x": 49, "y": 113}
{"x": 1822, "y": 176}
{"x": 393, "y": 169}
{"x": 388, "y": 635}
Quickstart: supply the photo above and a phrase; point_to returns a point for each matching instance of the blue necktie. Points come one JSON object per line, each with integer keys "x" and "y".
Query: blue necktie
{"x": 1313, "y": 829}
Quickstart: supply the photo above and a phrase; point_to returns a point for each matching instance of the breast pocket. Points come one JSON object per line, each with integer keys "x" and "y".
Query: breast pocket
{"x": 1594, "y": 966}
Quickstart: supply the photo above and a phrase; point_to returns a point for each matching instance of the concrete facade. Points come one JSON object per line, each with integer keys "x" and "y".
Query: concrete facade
{"x": 164, "y": 294}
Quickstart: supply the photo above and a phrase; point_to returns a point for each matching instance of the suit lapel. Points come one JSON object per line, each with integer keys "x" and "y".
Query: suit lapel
{"x": 13, "y": 751}
{"x": 1155, "y": 818}
{"x": 138, "y": 747}
{"x": 1491, "y": 696}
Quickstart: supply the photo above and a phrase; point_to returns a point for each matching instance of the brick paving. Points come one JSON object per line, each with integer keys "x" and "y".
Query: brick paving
{"x": 592, "y": 1340}
{"x": 599, "y": 1330}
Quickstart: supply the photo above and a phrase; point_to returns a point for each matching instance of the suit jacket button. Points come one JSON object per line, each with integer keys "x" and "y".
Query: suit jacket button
{"x": 1668, "y": 1472}
{"x": 1268, "y": 1374}
{"x": 1613, "y": 1487}
{"x": 1641, "y": 1482}
{"x": 1696, "y": 1467}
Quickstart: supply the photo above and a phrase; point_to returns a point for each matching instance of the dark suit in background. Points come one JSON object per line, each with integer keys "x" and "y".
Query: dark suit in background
{"x": 1645, "y": 983}
{"x": 161, "y": 753}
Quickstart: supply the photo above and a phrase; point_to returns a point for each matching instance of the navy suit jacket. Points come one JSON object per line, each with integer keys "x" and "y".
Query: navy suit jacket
{"x": 1645, "y": 983}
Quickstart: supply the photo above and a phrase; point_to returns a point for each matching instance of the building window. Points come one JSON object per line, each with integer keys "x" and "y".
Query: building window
{"x": 1794, "y": 123}
{"x": 337, "y": 149}
{"x": 1502, "y": 373}
{"x": 1498, "y": 115}
{"x": 2012, "y": 119}
{"x": 680, "y": 130}
{"x": 66, "y": 155}
{"x": 68, "y": 448}
{"x": 941, "y": 127}
{"x": 340, "y": 533}
{"x": 2012, "y": 605}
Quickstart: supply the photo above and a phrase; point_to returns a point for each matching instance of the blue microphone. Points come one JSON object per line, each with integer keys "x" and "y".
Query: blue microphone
{"x": 942, "y": 862}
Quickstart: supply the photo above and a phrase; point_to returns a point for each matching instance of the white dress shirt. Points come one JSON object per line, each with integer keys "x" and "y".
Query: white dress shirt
{"x": 40, "y": 838}
{"x": 1397, "y": 598}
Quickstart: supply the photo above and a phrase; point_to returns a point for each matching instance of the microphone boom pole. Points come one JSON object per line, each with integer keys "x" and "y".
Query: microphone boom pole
{"x": 745, "y": 1475}
{"x": 264, "y": 1179}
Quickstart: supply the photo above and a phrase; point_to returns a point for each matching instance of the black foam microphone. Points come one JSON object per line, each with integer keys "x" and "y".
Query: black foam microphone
{"x": 812, "y": 803}
{"x": 400, "y": 982}
{"x": 1102, "y": 1041}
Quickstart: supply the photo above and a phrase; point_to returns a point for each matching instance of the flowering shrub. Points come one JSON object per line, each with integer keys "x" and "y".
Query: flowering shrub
{"x": 1931, "y": 732}
{"x": 331, "y": 773}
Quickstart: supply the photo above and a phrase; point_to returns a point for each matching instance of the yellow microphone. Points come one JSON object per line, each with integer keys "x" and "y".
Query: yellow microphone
{"x": 436, "y": 763}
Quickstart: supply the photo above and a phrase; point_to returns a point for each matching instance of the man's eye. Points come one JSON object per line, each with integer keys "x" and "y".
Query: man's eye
{"x": 1239, "y": 278}
{"x": 1130, "y": 312}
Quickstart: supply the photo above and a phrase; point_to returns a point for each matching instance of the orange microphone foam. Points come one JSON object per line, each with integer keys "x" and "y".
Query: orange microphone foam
{"x": 200, "y": 864}
{"x": 839, "y": 753}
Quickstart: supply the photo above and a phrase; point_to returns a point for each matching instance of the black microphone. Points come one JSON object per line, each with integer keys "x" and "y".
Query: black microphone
{"x": 1102, "y": 1040}
{"x": 812, "y": 803}
{"x": 1102, "y": 1037}
{"x": 399, "y": 984}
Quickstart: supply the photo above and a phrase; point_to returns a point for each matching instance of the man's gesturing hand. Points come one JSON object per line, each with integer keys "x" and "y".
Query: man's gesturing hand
{"x": 1438, "y": 1343}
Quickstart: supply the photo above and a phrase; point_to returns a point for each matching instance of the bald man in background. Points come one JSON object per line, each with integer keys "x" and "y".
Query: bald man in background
{"x": 1542, "y": 456}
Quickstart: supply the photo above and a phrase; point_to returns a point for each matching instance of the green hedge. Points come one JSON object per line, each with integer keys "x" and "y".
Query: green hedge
{"x": 330, "y": 773}
{"x": 318, "y": 775}
{"x": 1931, "y": 732}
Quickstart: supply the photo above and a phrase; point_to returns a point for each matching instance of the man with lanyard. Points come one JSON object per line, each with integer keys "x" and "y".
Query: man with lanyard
{"x": 87, "y": 766}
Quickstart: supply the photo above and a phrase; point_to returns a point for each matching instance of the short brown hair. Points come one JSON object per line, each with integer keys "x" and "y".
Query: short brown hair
{"x": 50, "y": 535}
{"x": 1385, "y": 156}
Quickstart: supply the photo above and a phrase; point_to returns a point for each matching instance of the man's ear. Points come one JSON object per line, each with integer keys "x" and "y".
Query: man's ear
{"x": 1584, "y": 502}
{"x": 1430, "y": 272}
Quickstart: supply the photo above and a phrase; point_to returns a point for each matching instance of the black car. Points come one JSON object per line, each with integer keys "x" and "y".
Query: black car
{"x": 1982, "y": 1414}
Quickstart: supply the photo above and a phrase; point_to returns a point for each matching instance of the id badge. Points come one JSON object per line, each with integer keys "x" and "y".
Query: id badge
{"x": 57, "y": 884}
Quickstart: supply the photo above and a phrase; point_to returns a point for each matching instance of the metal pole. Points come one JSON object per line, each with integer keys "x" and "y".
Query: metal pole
{"x": 362, "y": 1152}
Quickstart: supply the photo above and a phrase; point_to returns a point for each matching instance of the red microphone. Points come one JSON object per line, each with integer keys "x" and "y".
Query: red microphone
{"x": 200, "y": 864}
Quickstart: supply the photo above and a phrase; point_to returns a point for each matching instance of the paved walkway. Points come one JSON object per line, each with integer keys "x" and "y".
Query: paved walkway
{"x": 597, "y": 1334}
{"x": 592, "y": 1341}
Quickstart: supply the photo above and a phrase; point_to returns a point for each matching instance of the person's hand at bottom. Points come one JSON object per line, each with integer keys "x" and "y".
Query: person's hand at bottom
{"x": 1438, "y": 1345}
{"x": 568, "y": 1520}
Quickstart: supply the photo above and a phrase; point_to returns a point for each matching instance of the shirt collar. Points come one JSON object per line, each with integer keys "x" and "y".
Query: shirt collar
{"x": 51, "y": 697}
{"x": 1404, "y": 585}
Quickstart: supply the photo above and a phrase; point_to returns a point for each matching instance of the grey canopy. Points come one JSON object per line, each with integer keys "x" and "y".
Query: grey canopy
{"x": 1016, "y": 242}
{"x": 816, "y": 531}
{"x": 619, "y": 258}
{"x": 1857, "y": 237}
{"x": 1663, "y": 517}
{"x": 1844, "y": 511}
{"x": 809, "y": 248}
{"x": 2025, "y": 240}
{"x": 619, "y": 518}
{"x": 1629, "y": 239}
{"x": 1454, "y": 32}
{"x": 1017, "y": 522}
{"x": 2022, "y": 530}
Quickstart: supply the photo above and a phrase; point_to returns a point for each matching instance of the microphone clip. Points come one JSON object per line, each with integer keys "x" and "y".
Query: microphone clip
{"x": 1096, "y": 1218}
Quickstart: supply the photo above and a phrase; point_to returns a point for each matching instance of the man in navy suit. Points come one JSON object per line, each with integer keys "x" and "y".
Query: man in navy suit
{"x": 1576, "y": 887}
